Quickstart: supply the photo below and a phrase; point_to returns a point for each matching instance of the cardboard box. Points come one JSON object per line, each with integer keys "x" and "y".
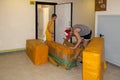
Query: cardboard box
{"x": 37, "y": 51}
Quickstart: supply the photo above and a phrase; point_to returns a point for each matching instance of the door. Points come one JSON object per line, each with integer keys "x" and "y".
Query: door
{"x": 63, "y": 21}
{"x": 109, "y": 26}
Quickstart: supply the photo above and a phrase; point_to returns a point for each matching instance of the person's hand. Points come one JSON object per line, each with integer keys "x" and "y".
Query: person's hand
{"x": 52, "y": 33}
{"x": 72, "y": 47}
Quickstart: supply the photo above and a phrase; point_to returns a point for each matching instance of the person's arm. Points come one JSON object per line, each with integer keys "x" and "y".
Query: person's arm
{"x": 79, "y": 39}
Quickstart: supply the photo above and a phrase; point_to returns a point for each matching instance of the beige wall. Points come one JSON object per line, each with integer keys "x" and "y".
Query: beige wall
{"x": 57, "y": 1}
{"x": 17, "y": 20}
{"x": 84, "y": 13}
{"x": 16, "y": 23}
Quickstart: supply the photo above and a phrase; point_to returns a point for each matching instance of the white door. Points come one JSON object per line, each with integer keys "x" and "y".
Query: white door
{"x": 109, "y": 26}
{"x": 63, "y": 20}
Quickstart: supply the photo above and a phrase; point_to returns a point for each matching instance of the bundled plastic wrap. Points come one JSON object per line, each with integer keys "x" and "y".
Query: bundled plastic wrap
{"x": 37, "y": 51}
{"x": 62, "y": 55}
{"x": 93, "y": 60}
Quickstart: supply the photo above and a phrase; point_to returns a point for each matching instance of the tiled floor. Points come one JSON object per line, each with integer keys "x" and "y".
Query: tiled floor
{"x": 17, "y": 66}
{"x": 112, "y": 72}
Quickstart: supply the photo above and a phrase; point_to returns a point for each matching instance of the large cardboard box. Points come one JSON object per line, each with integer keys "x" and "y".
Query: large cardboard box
{"x": 93, "y": 60}
{"x": 37, "y": 51}
{"x": 62, "y": 55}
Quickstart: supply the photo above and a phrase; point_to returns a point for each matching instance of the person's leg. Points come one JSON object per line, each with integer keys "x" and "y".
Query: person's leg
{"x": 85, "y": 42}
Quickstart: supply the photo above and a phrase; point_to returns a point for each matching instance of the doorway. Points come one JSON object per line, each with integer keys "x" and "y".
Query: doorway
{"x": 44, "y": 10}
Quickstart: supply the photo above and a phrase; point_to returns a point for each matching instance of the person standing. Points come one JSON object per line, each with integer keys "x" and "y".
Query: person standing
{"x": 50, "y": 27}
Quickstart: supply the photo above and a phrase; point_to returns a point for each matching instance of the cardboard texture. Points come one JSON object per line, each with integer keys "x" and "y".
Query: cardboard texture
{"x": 63, "y": 55}
{"x": 37, "y": 51}
{"x": 93, "y": 60}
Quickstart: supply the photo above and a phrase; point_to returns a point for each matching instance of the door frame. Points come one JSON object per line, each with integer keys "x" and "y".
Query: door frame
{"x": 36, "y": 14}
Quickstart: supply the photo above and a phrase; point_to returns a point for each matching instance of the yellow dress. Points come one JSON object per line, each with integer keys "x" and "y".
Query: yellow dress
{"x": 48, "y": 34}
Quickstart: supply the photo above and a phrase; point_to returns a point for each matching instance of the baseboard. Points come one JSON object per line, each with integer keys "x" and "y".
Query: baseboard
{"x": 12, "y": 50}
{"x": 113, "y": 62}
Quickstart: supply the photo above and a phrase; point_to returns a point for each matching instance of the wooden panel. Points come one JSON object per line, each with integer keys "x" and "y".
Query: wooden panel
{"x": 100, "y": 5}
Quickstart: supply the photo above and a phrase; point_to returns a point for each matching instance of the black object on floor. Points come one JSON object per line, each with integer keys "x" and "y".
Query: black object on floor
{"x": 81, "y": 62}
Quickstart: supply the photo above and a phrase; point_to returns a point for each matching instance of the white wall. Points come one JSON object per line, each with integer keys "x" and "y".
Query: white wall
{"x": 112, "y": 52}
{"x": 17, "y": 20}
{"x": 113, "y": 8}
{"x": 16, "y": 23}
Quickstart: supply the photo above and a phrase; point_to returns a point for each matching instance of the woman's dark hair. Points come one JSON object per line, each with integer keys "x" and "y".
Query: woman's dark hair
{"x": 54, "y": 15}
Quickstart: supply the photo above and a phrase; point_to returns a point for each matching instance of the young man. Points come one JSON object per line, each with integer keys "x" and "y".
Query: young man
{"x": 50, "y": 27}
{"x": 81, "y": 32}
